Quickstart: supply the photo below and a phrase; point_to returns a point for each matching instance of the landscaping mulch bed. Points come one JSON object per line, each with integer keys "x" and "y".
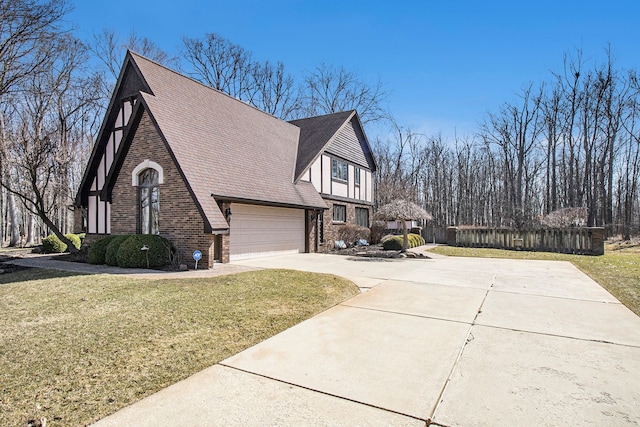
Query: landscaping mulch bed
{"x": 375, "y": 251}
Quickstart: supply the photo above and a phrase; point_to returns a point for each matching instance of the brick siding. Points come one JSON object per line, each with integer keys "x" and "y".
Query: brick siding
{"x": 332, "y": 229}
{"x": 180, "y": 221}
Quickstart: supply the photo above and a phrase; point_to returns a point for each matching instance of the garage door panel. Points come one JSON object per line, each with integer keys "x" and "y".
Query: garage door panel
{"x": 265, "y": 230}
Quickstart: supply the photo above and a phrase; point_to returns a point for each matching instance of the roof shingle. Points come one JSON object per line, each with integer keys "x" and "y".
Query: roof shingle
{"x": 224, "y": 147}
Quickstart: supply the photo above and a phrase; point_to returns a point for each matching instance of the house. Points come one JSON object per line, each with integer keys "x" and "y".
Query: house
{"x": 211, "y": 173}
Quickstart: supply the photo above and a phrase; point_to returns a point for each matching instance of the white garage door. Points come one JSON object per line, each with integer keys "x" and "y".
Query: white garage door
{"x": 264, "y": 230}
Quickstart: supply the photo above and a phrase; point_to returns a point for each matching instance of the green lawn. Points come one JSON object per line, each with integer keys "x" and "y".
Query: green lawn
{"x": 618, "y": 270}
{"x": 75, "y": 348}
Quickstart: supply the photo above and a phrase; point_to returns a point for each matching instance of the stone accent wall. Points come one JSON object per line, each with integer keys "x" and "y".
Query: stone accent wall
{"x": 332, "y": 229}
{"x": 312, "y": 222}
{"x": 180, "y": 221}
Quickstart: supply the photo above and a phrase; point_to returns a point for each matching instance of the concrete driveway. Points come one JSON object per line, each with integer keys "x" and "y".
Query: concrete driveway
{"x": 451, "y": 342}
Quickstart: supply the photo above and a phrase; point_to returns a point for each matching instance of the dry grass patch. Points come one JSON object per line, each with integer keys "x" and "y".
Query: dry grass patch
{"x": 618, "y": 270}
{"x": 75, "y": 348}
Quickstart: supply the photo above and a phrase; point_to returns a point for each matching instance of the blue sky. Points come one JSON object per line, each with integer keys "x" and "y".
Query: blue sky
{"x": 445, "y": 63}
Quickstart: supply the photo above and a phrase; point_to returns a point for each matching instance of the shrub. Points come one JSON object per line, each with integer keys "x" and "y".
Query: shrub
{"x": 378, "y": 230}
{"x": 130, "y": 254}
{"x": 394, "y": 243}
{"x": 53, "y": 245}
{"x": 98, "y": 250}
{"x": 111, "y": 253}
{"x": 351, "y": 233}
{"x": 75, "y": 239}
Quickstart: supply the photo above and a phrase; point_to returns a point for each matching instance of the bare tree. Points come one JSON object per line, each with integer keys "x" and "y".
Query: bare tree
{"x": 404, "y": 211}
{"x": 44, "y": 140}
{"x": 218, "y": 63}
{"x": 330, "y": 89}
{"x": 274, "y": 90}
{"x": 27, "y": 29}
{"x": 28, "y": 33}
{"x": 515, "y": 131}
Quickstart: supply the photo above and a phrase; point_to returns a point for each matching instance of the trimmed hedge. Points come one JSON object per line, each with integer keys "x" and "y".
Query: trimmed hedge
{"x": 53, "y": 245}
{"x": 98, "y": 251}
{"x": 394, "y": 243}
{"x": 130, "y": 254}
{"x": 111, "y": 253}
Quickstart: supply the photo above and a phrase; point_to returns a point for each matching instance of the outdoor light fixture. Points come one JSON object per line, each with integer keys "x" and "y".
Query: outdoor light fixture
{"x": 227, "y": 213}
{"x": 145, "y": 249}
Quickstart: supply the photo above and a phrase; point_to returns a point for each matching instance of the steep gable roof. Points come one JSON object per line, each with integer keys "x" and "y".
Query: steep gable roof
{"x": 328, "y": 133}
{"x": 223, "y": 147}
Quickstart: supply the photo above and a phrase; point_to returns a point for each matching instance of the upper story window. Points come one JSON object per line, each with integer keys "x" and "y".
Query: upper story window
{"x": 149, "y": 196}
{"x": 339, "y": 170}
{"x": 357, "y": 176}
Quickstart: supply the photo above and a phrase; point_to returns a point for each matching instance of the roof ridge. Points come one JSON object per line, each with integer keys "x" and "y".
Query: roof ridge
{"x": 351, "y": 111}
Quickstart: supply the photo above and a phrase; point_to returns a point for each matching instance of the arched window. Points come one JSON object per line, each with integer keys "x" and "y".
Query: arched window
{"x": 149, "y": 196}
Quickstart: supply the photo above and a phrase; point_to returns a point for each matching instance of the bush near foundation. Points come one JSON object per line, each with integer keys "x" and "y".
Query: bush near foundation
{"x": 131, "y": 255}
{"x": 98, "y": 251}
{"x": 351, "y": 233}
{"x": 111, "y": 253}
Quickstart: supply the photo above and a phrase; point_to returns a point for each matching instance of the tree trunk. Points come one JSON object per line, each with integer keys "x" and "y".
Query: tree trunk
{"x": 14, "y": 217}
{"x": 405, "y": 233}
{"x": 30, "y": 230}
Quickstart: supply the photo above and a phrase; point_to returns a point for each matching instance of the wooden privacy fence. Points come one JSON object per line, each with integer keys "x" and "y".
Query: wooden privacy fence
{"x": 583, "y": 241}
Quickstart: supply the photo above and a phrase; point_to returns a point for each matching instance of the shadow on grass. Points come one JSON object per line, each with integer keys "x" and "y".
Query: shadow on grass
{"x": 12, "y": 273}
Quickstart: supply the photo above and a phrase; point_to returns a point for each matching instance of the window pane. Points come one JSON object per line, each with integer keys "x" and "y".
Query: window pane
{"x": 339, "y": 170}
{"x": 155, "y": 210}
{"x": 144, "y": 210}
{"x": 362, "y": 217}
{"x": 339, "y": 213}
{"x": 149, "y": 201}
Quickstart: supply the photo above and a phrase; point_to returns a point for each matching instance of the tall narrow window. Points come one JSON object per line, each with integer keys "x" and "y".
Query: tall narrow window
{"x": 149, "y": 192}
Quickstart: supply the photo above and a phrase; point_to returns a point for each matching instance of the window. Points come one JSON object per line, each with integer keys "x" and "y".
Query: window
{"x": 362, "y": 217}
{"x": 339, "y": 170}
{"x": 149, "y": 193}
{"x": 339, "y": 213}
{"x": 320, "y": 227}
{"x": 357, "y": 176}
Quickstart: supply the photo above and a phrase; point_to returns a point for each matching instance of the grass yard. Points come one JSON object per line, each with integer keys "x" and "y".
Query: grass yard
{"x": 618, "y": 270}
{"x": 75, "y": 348}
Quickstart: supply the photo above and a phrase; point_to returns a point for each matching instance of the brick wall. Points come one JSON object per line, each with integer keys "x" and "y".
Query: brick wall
{"x": 332, "y": 229}
{"x": 180, "y": 221}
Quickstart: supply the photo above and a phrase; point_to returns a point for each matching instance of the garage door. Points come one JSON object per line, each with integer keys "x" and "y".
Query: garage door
{"x": 263, "y": 230}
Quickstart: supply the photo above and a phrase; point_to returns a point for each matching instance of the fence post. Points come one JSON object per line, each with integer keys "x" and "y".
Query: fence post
{"x": 452, "y": 236}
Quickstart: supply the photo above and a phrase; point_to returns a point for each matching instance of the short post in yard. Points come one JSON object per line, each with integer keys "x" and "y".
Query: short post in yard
{"x": 197, "y": 256}
{"x": 145, "y": 248}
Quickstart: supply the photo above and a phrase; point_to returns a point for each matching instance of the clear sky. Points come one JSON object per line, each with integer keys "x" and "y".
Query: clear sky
{"x": 445, "y": 63}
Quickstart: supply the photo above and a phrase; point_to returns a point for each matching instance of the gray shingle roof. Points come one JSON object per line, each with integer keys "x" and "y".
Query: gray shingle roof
{"x": 315, "y": 134}
{"x": 223, "y": 146}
